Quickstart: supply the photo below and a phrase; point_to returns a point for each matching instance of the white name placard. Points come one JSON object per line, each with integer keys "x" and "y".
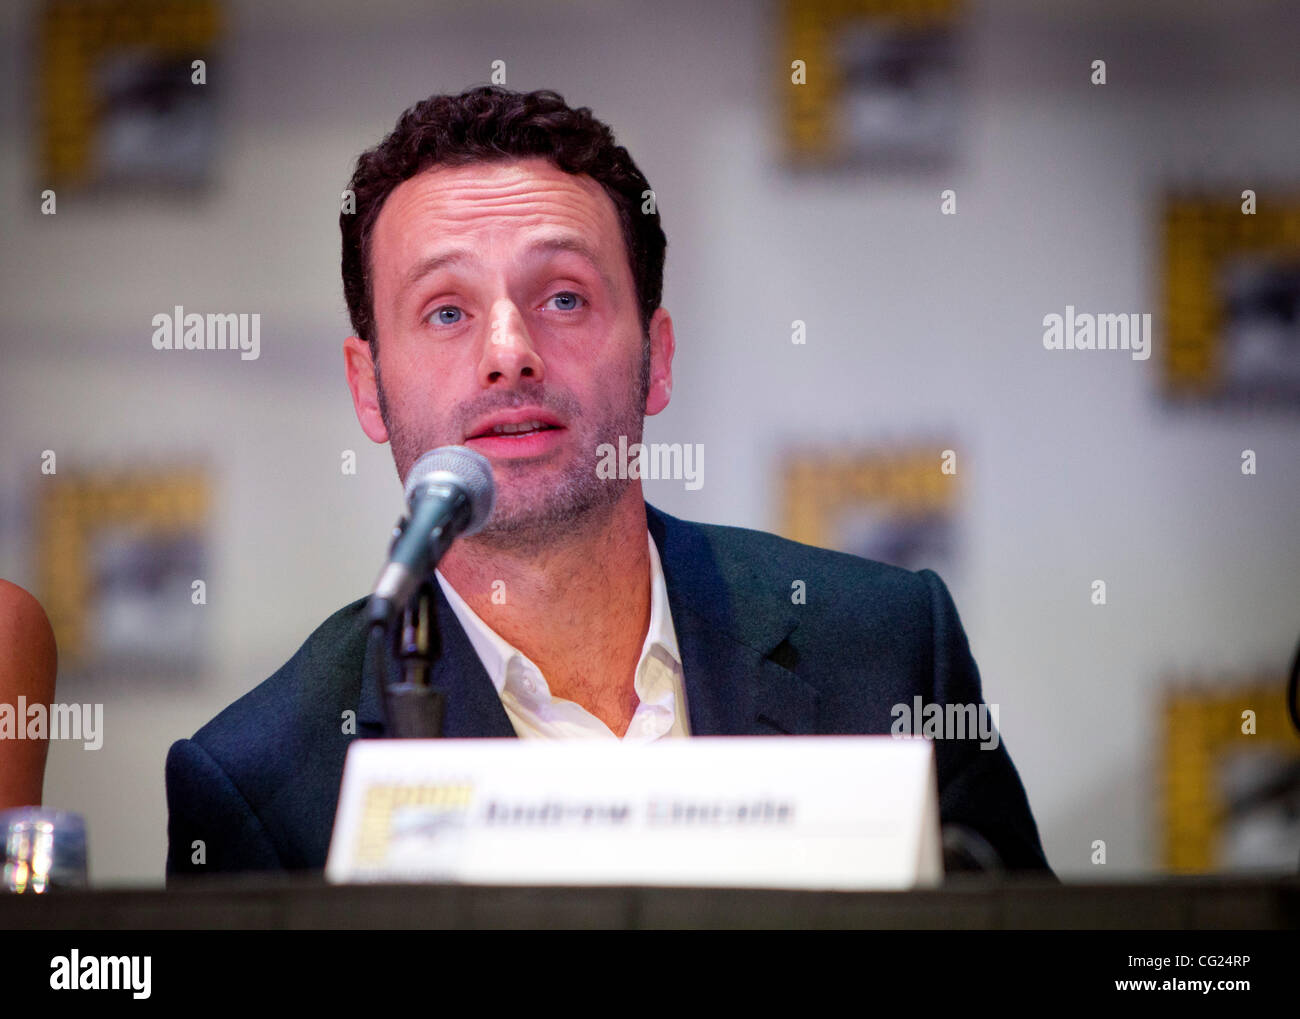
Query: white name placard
{"x": 832, "y": 812}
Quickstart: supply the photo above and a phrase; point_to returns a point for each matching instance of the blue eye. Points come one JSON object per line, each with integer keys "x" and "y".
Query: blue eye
{"x": 447, "y": 315}
{"x": 565, "y": 299}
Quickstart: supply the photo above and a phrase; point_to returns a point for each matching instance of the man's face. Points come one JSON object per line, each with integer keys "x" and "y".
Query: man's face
{"x": 506, "y": 314}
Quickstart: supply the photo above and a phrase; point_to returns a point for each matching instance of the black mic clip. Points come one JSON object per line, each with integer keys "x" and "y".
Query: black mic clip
{"x": 413, "y": 707}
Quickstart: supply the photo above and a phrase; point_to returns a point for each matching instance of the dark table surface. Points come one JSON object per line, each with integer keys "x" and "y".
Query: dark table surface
{"x": 307, "y": 902}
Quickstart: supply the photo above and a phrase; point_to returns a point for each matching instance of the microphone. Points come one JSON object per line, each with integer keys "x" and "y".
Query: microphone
{"x": 449, "y": 492}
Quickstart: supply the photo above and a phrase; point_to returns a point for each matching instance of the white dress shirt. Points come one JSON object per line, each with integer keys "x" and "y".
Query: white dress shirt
{"x": 535, "y": 713}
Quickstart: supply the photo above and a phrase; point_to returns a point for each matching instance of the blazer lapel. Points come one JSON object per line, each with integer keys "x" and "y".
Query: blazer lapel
{"x": 728, "y": 632}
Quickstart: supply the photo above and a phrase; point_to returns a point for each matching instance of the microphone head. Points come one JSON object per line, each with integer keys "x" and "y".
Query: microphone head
{"x": 462, "y": 467}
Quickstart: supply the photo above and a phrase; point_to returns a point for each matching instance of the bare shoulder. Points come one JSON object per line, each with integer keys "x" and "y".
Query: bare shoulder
{"x": 28, "y": 657}
{"x": 28, "y": 664}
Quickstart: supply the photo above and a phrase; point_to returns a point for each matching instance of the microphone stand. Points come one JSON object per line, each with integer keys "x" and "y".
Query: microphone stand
{"x": 449, "y": 490}
{"x": 413, "y": 708}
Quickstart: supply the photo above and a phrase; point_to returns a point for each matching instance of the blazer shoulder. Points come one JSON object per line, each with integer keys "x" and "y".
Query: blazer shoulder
{"x": 756, "y": 561}
{"x": 257, "y": 784}
{"x": 323, "y": 677}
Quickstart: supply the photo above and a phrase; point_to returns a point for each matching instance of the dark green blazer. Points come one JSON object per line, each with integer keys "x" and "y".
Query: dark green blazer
{"x": 259, "y": 784}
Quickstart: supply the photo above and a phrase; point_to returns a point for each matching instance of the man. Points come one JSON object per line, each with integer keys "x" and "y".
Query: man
{"x": 503, "y": 270}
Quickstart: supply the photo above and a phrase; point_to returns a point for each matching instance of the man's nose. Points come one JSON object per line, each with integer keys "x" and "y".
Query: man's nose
{"x": 508, "y": 353}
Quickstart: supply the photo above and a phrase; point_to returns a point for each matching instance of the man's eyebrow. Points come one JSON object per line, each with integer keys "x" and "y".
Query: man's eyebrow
{"x": 578, "y": 246}
{"x": 431, "y": 264}
{"x": 558, "y": 242}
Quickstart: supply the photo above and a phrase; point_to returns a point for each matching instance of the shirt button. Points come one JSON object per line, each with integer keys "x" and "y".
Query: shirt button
{"x": 529, "y": 684}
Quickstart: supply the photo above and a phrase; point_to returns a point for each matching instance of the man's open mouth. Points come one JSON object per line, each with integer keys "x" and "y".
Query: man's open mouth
{"x": 522, "y": 428}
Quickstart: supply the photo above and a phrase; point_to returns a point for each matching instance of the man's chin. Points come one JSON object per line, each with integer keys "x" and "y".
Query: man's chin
{"x": 519, "y": 520}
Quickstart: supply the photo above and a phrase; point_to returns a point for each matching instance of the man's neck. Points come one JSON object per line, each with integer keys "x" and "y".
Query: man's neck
{"x": 578, "y": 605}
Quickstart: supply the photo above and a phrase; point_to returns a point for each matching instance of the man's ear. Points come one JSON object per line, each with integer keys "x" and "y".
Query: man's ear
{"x": 662, "y": 347}
{"x": 361, "y": 382}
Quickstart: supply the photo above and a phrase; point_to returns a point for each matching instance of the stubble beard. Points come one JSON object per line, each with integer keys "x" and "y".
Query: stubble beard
{"x": 537, "y": 504}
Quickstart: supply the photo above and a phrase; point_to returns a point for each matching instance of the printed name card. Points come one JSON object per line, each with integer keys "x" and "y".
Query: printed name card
{"x": 848, "y": 813}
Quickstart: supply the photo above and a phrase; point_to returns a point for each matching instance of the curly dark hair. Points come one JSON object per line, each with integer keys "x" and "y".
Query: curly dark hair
{"x": 493, "y": 124}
